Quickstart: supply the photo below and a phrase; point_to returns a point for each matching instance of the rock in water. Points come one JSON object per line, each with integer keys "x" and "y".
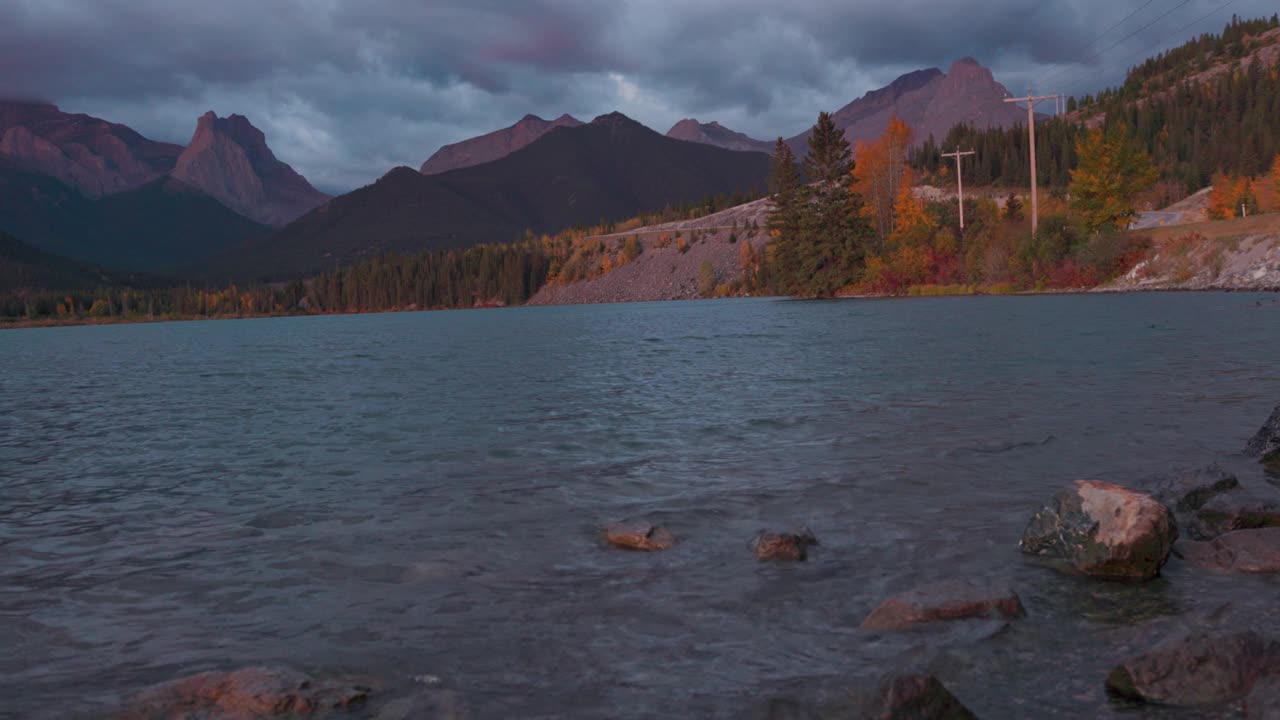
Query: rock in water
{"x": 1238, "y": 510}
{"x": 638, "y": 536}
{"x": 1266, "y": 443}
{"x": 1189, "y": 490}
{"x": 946, "y": 600}
{"x": 1246, "y": 551}
{"x": 783, "y": 546}
{"x": 911, "y": 696}
{"x": 1197, "y": 669}
{"x": 246, "y": 694}
{"x": 1264, "y": 701}
{"x": 1103, "y": 530}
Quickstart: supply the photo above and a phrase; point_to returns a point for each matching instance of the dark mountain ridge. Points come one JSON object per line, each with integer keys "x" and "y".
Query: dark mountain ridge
{"x": 609, "y": 169}
{"x": 494, "y": 145}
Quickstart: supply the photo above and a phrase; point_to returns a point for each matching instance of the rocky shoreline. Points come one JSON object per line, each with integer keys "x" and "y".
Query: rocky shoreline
{"x": 1102, "y": 532}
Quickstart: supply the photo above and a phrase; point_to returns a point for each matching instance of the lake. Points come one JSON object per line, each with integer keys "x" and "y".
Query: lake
{"x": 421, "y": 494}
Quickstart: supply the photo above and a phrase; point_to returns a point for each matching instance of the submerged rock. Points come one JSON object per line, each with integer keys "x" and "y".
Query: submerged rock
{"x": 1238, "y": 510}
{"x": 1197, "y": 669}
{"x": 783, "y": 546}
{"x": 245, "y": 694}
{"x": 1103, "y": 530}
{"x": 634, "y": 535}
{"x": 1265, "y": 444}
{"x": 1263, "y": 702}
{"x": 900, "y": 696}
{"x": 1246, "y": 551}
{"x": 1189, "y": 490}
{"x": 946, "y": 600}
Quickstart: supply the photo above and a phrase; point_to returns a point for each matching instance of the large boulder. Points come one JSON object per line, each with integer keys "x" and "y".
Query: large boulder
{"x": 769, "y": 545}
{"x": 1197, "y": 669}
{"x": 1103, "y": 530}
{"x": 1263, "y": 702}
{"x": 946, "y": 600}
{"x": 246, "y": 694}
{"x": 638, "y": 535}
{"x": 1236, "y": 510}
{"x": 1265, "y": 444}
{"x": 1246, "y": 551}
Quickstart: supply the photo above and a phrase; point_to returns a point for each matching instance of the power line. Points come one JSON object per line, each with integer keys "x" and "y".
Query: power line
{"x": 1104, "y": 51}
{"x": 1166, "y": 38}
{"x": 1102, "y": 35}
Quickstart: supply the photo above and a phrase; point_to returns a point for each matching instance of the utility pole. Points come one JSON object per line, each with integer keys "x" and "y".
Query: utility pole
{"x": 1031, "y": 101}
{"x": 959, "y": 182}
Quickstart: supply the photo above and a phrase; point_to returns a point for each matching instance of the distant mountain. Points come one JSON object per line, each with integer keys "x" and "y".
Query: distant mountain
{"x": 228, "y": 159}
{"x": 163, "y": 225}
{"x": 92, "y": 155}
{"x": 494, "y": 145}
{"x": 713, "y": 133}
{"x": 930, "y": 101}
{"x": 611, "y": 168}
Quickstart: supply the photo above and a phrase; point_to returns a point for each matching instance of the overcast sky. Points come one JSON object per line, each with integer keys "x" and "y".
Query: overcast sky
{"x": 347, "y": 89}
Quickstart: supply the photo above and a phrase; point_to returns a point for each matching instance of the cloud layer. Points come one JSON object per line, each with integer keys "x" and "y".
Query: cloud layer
{"x": 346, "y": 89}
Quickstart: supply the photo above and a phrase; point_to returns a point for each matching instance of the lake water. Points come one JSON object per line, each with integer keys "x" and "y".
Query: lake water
{"x": 421, "y": 493}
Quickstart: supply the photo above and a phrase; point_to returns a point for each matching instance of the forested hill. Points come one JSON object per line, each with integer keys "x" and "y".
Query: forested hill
{"x": 1205, "y": 107}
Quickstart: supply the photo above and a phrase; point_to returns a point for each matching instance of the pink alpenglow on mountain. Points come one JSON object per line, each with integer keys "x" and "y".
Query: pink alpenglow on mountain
{"x": 713, "y": 133}
{"x": 228, "y": 158}
{"x": 94, "y": 156}
{"x": 494, "y": 145}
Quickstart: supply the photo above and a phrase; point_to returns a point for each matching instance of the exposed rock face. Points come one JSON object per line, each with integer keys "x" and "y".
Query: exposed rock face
{"x": 930, "y": 102}
{"x": 228, "y": 158}
{"x": 246, "y": 694}
{"x": 1266, "y": 443}
{"x": 1197, "y": 669}
{"x": 494, "y": 145}
{"x": 783, "y": 546}
{"x": 1263, "y": 702}
{"x": 633, "y": 535}
{"x": 1246, "y": 551}
{"x": 1103, "y": 530}
{"x": 946, "y": 600}
{"x": 713, "y": 133}
{"x": 94, "y": 156}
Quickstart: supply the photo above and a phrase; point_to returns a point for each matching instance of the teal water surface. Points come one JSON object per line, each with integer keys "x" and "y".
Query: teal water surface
{"x": 421, "y": 493}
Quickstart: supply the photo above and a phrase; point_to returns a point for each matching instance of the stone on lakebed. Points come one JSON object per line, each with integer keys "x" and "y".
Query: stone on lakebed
{"x": 1197, "y": 668}
{"x": 245, "y": 694}
{"x": 783, "y": 546}
{"x": 638, "y": 535}
{"x": 946, "y": 600}
{"x": 1103, "y": 530}
{"x": 1265, "y": 444}
{"x": 1244, "y": 551}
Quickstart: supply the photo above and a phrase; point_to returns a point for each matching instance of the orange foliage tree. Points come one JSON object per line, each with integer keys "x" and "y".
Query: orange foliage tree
{"x": 1230, "y": 193}
{"x": 880, "y": 173}
{"x": 1275, "y": 180}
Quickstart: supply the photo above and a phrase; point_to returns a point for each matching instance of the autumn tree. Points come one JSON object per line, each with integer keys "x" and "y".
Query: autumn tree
{"x": 1230, "y": 195}
{"x": 1113, "y": 169}
{"x": 1275, "y": 180}
{"x": 882, "y": 167}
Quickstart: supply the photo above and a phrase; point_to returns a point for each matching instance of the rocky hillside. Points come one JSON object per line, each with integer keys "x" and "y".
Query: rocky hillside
{"x": 228, "y": 159}
{"x": 930, "y": 101}
{"x": 663, "y": 271}
{"x": 94, "y": 156}
{"x": 713, "y": 133}
{"x": 494, "y": 145}
{"x": 1241, "y": 254}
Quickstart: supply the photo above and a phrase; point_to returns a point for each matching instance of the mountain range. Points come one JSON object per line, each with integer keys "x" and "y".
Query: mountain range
{"x": 99, "y": 192}
{"x": 609, "y": 169}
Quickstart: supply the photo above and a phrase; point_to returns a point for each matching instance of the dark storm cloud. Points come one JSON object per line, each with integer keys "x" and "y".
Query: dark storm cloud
{"x": 345, "y": 89}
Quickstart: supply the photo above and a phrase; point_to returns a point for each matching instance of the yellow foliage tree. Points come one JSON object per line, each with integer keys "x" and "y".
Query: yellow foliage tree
{"x": 879, "y": 175}
{"x": 1113, "y": 169}
{"x": 911, "y": 224}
